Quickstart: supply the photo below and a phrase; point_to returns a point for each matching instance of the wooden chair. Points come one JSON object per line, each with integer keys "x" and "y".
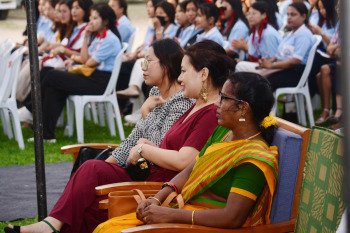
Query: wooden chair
{"x": 283, "y": 215}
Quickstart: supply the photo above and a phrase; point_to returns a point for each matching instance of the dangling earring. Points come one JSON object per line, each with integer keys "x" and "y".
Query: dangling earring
{"x": 241, "y": 119}
{"x": 204, "y": 93}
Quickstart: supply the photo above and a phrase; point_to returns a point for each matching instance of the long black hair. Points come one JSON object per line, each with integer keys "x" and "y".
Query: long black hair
{"x": 107, "y": 13}
{"x": 256, "y": 91}
{"x": 272, "y": 9}
{"x": 85, "y": 5}
{"x": 238, "y": 11}
{"x": 332, "y": 17}
{"x": 169, "y": 10}
{"x": 263, "y": 7}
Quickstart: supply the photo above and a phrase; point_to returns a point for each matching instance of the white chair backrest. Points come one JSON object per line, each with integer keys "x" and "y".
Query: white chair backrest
{"x": 9, "y": 84}
{"x": 303, "y": 80}
{"x": 131, "y": 41}
{"x": 110, "y": 89}
{"x": 5, "y": 52}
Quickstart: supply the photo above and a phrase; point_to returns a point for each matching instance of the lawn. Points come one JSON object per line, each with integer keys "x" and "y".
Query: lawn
{"x": 10, "y": 154}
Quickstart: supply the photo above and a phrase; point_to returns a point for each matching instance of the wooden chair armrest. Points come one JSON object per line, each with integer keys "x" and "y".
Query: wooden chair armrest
{"x": 186, "y": 228}
{"x": 105, "y": 189}
{"x": 74, "y": 149}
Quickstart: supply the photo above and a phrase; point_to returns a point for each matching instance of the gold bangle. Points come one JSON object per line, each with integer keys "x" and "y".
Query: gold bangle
{"x": 156, "y": 200}
{"x": 193, "y": 217}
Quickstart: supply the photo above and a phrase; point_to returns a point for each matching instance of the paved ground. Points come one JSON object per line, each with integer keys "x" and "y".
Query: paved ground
{"x": 13, "y": 26}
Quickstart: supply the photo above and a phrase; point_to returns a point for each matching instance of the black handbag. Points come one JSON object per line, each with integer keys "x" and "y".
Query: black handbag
{"x": 140, "y": 171}
{"x": 87, "y": 153}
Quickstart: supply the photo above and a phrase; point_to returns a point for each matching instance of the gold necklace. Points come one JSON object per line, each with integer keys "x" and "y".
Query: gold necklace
{"x": 253, "y": 136}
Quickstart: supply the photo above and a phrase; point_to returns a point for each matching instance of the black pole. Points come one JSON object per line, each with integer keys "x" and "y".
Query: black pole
{"x": 345, "y": 74}
{"x": 36, "y": 99}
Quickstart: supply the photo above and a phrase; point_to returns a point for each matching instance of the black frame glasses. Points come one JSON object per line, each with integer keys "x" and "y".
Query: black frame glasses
{"x": 224, "y": 97}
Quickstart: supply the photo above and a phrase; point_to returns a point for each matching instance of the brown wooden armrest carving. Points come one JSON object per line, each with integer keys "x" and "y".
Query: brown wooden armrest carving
{"x": 74, "y": 149}
{"x": 186, "y": 228}
{"x": 105, "y": 189}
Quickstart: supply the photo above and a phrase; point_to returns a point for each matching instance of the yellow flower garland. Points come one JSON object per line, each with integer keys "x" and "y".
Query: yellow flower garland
{"x": 268, "y": 121}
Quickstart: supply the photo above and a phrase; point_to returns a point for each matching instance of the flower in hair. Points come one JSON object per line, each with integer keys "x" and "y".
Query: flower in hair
{"x": 268, "y": 121}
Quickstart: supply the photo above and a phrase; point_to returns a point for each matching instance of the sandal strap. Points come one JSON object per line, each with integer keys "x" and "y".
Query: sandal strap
{"x": 326, "y": 110}
{"x": 52, "y": 228}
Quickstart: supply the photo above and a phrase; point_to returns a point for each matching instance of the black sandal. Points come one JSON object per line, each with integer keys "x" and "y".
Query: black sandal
{"x": 15, "y": 229}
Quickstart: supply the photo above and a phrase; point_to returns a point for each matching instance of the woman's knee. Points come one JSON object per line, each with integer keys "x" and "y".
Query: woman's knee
{"x": 325, "y": 70}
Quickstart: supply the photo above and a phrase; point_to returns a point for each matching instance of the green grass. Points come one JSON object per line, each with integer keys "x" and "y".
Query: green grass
{"x": 10, "y": 154}
{"x": 18, "y": 222}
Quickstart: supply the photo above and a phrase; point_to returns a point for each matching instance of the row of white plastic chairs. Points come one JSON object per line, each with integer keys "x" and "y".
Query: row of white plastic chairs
{"x": 107, "y": 102}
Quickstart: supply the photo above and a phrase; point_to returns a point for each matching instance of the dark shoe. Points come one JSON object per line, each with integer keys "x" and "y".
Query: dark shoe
{"x": 15, "y": 229}
{"x": 335, "y": 119}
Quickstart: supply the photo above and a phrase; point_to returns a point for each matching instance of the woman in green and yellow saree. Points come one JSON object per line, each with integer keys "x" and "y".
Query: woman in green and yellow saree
{"x": 231, "y": 182}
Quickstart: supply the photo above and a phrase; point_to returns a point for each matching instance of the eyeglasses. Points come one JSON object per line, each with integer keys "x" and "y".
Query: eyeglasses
{"x": 145, "y": 64}
{"x": 223, "y": 97}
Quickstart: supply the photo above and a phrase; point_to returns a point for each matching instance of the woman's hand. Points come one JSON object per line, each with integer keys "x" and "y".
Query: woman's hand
{"x": 265, "y": 63}
{"x": 143, "y": 204}
{"x": 68, "y": 63}
{"x": 156, "y": 214}
{"x": 133, "y": 155}
{"x": 88, "y": 30}
{"x": 150, "y": 104}
{"x": 240, "y": 44}
{"x": 156, "y": 24}
{"x": 315, "y": 29}
{"x": 145, "y": 141}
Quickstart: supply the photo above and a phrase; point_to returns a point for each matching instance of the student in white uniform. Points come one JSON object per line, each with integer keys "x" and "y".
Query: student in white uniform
{"x": 264, "y": 40}
{"x": 206, "y": 19}
{"x": 186, "y": 29}
{"x": 235, "y": 26}
{"x": 327, "y": 21}
{"x": 293, "y": 50}
{"x": 123, "y": 24}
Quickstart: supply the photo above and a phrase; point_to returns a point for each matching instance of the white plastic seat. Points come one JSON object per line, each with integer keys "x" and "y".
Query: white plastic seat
{"x": 302, "y": 89}
{"x": 131, "y": 41}
{"x": 5, "y": 52}
{"x": 108, "y": 98}
{"x": 8, "y": 94}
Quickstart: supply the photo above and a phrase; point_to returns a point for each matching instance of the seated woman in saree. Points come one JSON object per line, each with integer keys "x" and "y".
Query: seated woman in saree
{"x": 232, "y": 180}
{"x": 201, "y": 79}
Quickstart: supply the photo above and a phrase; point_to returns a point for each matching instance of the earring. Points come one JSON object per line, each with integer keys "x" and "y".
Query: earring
{"x": 241, "y": 119}
{"x": 204, "y": 93}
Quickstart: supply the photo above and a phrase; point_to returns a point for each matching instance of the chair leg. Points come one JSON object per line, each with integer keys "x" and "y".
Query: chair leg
{"x": 87, "y": 112}
{"x": 60, "y": 121}
{"x": 5, "y": 118}
{"x": 17, "y": 127}
{"x": 69, "y": 130}
{"x": 94, "y": 107}
{"x": 110, "y": 118}
{"x": 101, "y": 114}
{"x": 309, "y": 110}
{"x": 118, "y": 119}
{"x": 79, "y": 120}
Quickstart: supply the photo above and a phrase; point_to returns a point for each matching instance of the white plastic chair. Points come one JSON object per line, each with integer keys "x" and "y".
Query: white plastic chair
{"x": 5, "y": 52}
{"x": 108, "y": 97}
{"x": 131, "y": 41}
{"x": 8, "y": 94}
{"x": 302, "y": 89}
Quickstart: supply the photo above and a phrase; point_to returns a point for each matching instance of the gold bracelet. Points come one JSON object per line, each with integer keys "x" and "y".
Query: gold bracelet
{"x": 156, "y": 200}
{"x": 193, "y": 217}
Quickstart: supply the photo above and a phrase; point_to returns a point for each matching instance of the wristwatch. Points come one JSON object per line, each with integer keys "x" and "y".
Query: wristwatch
{"x": 139, "y": 150}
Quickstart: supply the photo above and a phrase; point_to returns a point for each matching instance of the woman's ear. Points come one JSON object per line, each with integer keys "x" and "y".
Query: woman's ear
{"x": 205, "y": 73}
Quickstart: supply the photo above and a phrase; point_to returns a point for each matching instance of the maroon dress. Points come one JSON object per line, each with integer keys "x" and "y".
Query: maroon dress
{"x": 77, "y": 207}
